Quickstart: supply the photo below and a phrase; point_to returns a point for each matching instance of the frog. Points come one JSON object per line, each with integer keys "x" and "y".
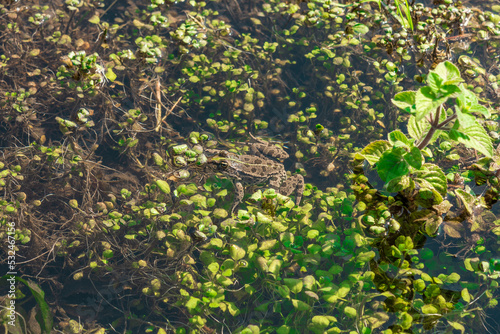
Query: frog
{"x": 256, "y": 168}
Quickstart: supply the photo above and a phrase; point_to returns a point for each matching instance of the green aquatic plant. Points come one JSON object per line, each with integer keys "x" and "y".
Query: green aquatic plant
{"x": 430, "y": 117}
{"x": 414, "y": 201}
{"x": 86, "y": 71}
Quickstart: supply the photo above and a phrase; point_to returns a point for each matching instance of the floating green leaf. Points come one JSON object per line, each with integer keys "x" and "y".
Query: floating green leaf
{"x": 350, "y": 312}
{"x": 300, "y": 305}
{"x": 110, "y": 74}
{"x": 294, "y": 284}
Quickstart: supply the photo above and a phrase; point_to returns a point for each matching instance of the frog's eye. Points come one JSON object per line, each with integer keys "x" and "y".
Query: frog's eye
{"x": 223, "y": 164}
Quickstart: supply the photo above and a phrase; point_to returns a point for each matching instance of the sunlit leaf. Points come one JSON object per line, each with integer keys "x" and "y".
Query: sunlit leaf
{"x": 429, "y": 309}
{"x": 449, "y": 73}
{"x": 294, "y": 284}
{"x": 300, "y": 305}
{"x": 434, "y": 81}
{"x": 360, "y": 28}
{"x": 405, "y": 320}
{"x": 392, "y": 164}
{"x": 396, "y": 136}
{"x": 404, "y": 100}
{"x": 94, "y": 19}
{"x": 350, "y": 312}
{"x": 457, "y": 326}
{"x": 414, "y": 158}
{"x": 474, "y": 137}
{"x": 110, "y": 74}
{"x": 373, "y": 151}
{"x": 432, "y": 175}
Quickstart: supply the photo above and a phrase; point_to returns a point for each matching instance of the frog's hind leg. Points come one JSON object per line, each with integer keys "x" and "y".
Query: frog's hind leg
{"x": 239, "y": 193}
{"x": 294, "y": 183}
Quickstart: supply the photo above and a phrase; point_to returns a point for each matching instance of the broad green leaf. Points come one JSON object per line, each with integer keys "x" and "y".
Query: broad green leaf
{"x": 335, "y": 269}
{"x": 250, "y": 329}
{"x": 224, "y": 281}
{"x": 309, "y": 282}
{"x": 94, "y": 19}
{"x": 414, "y": 158}
{"x": 236, "y": 252}
{"x": 405, "y": 320}
{"x": 429, "y": 309}
{"x": 312, "y": 234}
{"x": 474, "y": 137}
{"x": 432, "y": 225}
{"x": 344, "y": 290}
{"x": 360, "y": 29}
{"x": 456, "y": 325}
{"x": 428, "y": 197}
{"x": 449, "y": 73}
{"x": 283, "y": 329}
{"x": 434, "y": 81}
{"x": 480, "y": 109}
{"x": 452, "y": 278}
{"x": 399, "y": 184}
{"x": 163, "y": 186}
{"x": 294, "y": 284}
{"x": 466, "y": 296}
{"x": 232, "y": 309}
{"x": 432, "y": 175}
{"x": 404, "y": 100}
{"x": 267, "y": 244}
{"x": 424, "y": 103}
{"x": 330, "y": 298}
{"x": 216, "y": 243}
{"x": 466, "y": 199}
{"x": 466, "y": 120}
{"x": 347, "y": 207}
{"x": 417, "y": 130}
{"x": 350, "y": 312}
{"x": 449, "y": 91}
{"x": 366, "y": 256}
{"x": 392, "y": 164}
{"x": 320, "y": 321}
{"x": 300, "y": 305}
{"x": 466, "y": 98}
{"x": 275, "y": 267}
{"x": 213, "y": 267}
{"x": 419, "y": 285}
{"x": 373, "y": 151}
{"x": 110, "y": 74}
{"x": 469, "y": 264}
{"x": 192, "y": 303}
{"x": 427, "y": 102}
{"x": 396, "y": 136}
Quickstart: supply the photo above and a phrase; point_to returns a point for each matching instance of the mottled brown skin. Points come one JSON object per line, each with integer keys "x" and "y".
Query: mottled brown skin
{"x": 257, "y": 168}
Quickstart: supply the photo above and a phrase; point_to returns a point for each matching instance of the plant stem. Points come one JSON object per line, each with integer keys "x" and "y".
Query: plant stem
{"x": 435, "y": 126}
